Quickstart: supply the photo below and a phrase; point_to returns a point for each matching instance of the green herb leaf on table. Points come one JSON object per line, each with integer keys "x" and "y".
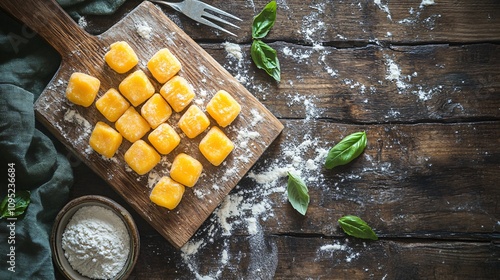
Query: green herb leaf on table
{"x": 346, "y": 150}
{"x": 266, "y": 58}
{"x": 14, "y": 205}
{"x": 262, "y": 54}
{"x": 298, "y": 194}
{"x": 264, "y": 21}
{"x": 355, "y": 226}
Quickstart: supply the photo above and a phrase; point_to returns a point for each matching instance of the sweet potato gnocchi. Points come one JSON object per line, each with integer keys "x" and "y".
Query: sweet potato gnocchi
{"x": 141, "y": 116}
{"x": 82, "y": 89}
{"x": 121, "y": 57}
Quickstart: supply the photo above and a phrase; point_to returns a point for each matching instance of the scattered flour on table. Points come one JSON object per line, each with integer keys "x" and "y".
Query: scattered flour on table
{"x": 244, "y": 208}
{"x": 313, "y": 27}
{"x": 236, "y": 63}
{"x": 404, "y": 82}
{"x": 415, "y": 16}
{"x": 96, "y": 242}
{"x": 82, "y": 22}
{"x": 394, "y": 74}
{"x": 383, "y": 7}
{"x": 233, "y": 50}
{"x": 338, "y": 250}
{"x": 427, "y": 3}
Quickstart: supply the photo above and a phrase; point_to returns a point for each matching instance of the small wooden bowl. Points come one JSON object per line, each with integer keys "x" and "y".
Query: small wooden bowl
{"x": 67, "y": 213}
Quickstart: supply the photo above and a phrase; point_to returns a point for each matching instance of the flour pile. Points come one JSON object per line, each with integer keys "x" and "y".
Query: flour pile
{"x": 96, "y": 242}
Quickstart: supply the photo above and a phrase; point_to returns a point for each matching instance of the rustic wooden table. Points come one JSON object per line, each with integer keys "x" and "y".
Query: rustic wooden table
{"x": 422, "y": 80}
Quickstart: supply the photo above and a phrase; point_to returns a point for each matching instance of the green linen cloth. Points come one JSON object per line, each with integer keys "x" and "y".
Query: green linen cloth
{"x": 27, "y": 63}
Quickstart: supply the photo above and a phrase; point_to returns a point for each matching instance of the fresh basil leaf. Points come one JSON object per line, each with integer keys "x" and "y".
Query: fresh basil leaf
{"x": 264, "y": 21}
{"x": 355, "y": 226}
{"x": 3, "y": 207}
{"x": 266, "y": 58}
{"x": 346, "y": 150}
{"x": 298, "y": 194}
{"x": 21, "y": 202}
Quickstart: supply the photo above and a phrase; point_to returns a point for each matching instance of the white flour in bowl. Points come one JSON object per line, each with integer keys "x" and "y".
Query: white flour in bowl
{"x": 96, "y": 242}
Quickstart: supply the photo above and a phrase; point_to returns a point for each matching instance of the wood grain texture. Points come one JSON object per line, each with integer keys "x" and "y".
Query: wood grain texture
{"x": 428, "y": 190}
{"x": 289, "y": 257}
{"x": 427, "y": 182}
{"x": 73, "y": 124}
{"x": 348, "y": 23}
{"x": 406, "y": 22}
{"x": 409, "y": 177}
{"x": 436, "y": 82}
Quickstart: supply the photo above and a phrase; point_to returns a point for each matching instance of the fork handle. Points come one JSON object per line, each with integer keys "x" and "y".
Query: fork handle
{"x": 51, "y": 22}
{"x": 173, "y": 5}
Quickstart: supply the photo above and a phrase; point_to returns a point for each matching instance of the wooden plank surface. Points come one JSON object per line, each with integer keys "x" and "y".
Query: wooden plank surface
{"x": 289, "y": 257}
{"x": 412, "y": 185}
{"x": 348, "y": 23}
{"x": 435, "y": 82}
{"x": 423, "y": 83}
{"x": 72, "y": 124}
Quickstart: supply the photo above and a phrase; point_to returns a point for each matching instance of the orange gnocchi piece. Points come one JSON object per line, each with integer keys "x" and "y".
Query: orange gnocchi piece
{"x": 156, "y": 110}
{"x": 216, "y": 146}
{"x": 164, "y": 138}
{"x": 167, "y": 193}
{"x": 193, "y": 122}
{"x": 105, "y": 140}
{"x": 141, "y": 157}
{"x": 112, "y": 105}
{"x": 131, "y": 125}
{"x": 178, "y": 93}
{"x": 137, "y": 88}
{"x": 223, "y": 108}
{"x": 163, "y": 65}
{"x": 186, "y": 170}
{"x": 121, "y": 57}
{"x": 82, "y": 89}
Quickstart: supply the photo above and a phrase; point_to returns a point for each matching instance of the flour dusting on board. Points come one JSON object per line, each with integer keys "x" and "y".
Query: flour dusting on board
{"x": 144, "y": 30}
{"x": 81, "y": 124}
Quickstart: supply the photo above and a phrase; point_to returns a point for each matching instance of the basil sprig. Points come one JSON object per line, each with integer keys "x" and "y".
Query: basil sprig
{"x": 263, "y": 22}
{"x": 355, "y": 226}
{"x": 298, "y": 194}
{"x": 266, "y": 58}
{"x": 263, "y": 55}
{"x": 14, "y": 205}
{"x": 346, "y": 150}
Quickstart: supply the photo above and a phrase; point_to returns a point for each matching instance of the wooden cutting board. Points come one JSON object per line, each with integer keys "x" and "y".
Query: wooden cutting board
{"x": 147, "y": 30}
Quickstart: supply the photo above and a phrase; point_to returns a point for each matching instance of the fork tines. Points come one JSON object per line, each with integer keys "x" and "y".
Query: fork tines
{"x": 210, "y": 12}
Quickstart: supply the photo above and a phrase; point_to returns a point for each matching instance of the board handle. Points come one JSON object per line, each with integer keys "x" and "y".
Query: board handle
{"x": 51, "y": 22}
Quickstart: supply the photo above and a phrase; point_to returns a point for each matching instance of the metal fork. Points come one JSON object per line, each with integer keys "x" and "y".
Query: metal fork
{"x": 201, "y": 12}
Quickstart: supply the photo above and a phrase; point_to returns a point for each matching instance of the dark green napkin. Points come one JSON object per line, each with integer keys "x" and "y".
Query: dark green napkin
{"x": 27, "y": 63}
{"x": 38, "y": 168}
{"x": 91, "y": 7}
